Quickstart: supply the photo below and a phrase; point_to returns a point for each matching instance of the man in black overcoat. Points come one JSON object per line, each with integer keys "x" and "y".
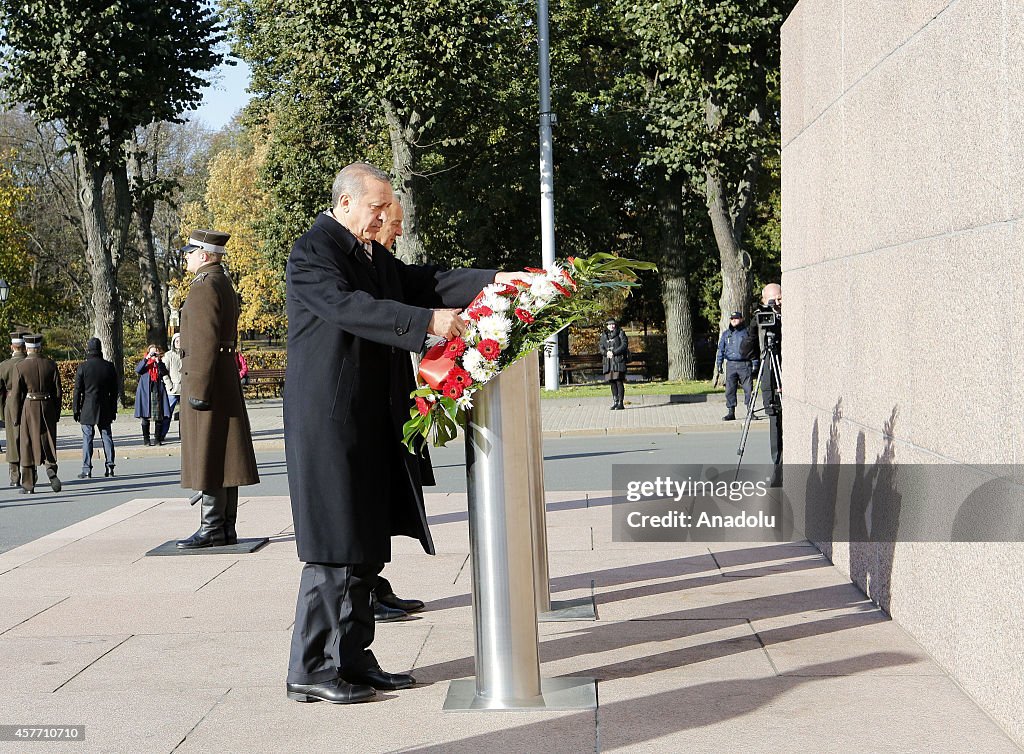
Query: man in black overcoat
{"x": 355, "y": 313}
{"x": 94, "y": 405}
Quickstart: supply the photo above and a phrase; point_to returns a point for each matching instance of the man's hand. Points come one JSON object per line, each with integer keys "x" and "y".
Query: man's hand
{"x": 445, "y": 323}
{"x": 506, "y": 278}
{"x": 78, "y": 417}
{"x": 199, "y": 405}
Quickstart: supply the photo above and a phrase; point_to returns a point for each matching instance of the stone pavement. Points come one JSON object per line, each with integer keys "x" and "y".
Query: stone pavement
{"x": 562, "y": 417}
{"x": 698, "y": 648}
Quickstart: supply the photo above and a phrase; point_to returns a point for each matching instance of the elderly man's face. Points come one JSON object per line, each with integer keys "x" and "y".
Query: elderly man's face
{"x": 392, "y": 226}
{"x": 772, "y": 292}
{"x": 364, "y": 215}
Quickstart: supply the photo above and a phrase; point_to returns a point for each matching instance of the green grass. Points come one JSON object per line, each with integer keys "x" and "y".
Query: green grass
{"x": 601, "y": 390}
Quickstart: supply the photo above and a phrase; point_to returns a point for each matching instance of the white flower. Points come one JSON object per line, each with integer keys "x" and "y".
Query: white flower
{"x": 479, "y": 368}
{"x": 496, "y": 326}
{"x": 465, "y": 401}
{"x": 542, "y": 290}
{"x": 497, "y": 303}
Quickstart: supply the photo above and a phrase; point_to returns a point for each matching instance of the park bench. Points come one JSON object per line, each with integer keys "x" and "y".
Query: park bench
{"x": 578, "y": 368}
{"x": 264, "y": 383}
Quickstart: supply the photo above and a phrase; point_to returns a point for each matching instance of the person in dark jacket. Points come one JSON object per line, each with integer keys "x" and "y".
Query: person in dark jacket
{"x": 753, "y": 345}
{"x": 217, "y": 456}
{"x": 614, "y": 347}
{"x": 739, "y": 370}
{"x": 355, "y": 313}
{"x": 37, "y": 396}
{"x": 9, "y": 410}
{"x": 151, "y": 404}
{"x": 94, "y": 405}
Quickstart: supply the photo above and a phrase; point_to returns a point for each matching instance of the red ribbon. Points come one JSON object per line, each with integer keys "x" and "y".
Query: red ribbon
{"x": 435, "y": 366}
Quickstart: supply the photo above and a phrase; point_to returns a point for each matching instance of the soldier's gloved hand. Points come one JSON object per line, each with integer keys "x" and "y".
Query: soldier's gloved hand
{"x": 199, "y": 405}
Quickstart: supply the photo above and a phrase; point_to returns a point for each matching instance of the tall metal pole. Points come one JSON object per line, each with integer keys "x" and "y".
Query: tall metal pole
{"x": 547, "y": 180}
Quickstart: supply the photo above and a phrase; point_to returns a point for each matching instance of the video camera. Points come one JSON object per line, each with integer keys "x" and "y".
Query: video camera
{"x": 768, "y": 316}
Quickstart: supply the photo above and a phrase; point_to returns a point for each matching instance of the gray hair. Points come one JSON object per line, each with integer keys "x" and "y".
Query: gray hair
{"x": 352, "y": 180}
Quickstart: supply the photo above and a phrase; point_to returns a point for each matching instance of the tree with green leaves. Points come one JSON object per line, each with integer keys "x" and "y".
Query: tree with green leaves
{"x": 714, "y": 98}
{"x": 103, "y": 71}
{"x": 420, "y": 70}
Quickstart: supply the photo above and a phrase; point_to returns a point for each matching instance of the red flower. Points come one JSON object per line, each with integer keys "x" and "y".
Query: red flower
{"x": 455, "y": 348}
{"x": 452, "y": 389}
{"x": 524, "y": 316}
{"x": 561, "y": 289}
{"x": 460, "y": 376}
{"x": 422, "y": 406}
{"x": 489, "y": 348}
{"x": 535, "y": 270}
{"x": 510, "y": 290}
{"x": 476, "y": 312}
{"x": 521, "y": 283}
{"x": 572, "y": 260}
{"x": 568, "y": 277}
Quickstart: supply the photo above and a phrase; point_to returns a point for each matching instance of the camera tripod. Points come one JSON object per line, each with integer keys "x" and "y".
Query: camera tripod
{"x": 769, "y": 358}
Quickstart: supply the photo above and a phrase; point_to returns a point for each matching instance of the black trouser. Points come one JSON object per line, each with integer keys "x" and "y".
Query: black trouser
{"x": 737, "y": 373}
{"x": 383, "y": 588}
{"x": 333, "y": 622}
{"x": 772, "y": 402}
{"x": 618, "y": 390}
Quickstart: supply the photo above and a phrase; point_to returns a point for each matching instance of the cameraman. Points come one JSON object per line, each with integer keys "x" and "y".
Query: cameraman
{"x": 753, "y": 347}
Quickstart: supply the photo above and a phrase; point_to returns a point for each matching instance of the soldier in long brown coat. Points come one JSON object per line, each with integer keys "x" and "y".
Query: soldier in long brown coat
{"x": 8, "y": 406}
{"x": 37, "y": 393}
{"x": 216, "y": 443}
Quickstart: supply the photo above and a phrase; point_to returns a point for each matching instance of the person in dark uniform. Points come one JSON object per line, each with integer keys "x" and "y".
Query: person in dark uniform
{"x": 355, "y": 313}
{"x": 614, "y": 347}
{"x": 37, "y": 393}
{"x": 94, "y": 405}
{"x": 739, "y": 370}
{"x": 9, "y": 410}
{"x": 217, "y": 456}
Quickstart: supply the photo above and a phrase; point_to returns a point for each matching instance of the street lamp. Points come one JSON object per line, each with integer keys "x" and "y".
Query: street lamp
{"x": 5, "y": 291}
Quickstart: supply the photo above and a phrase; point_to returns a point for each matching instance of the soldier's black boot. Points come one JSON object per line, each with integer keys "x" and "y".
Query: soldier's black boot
{"x": 730, "y": 415}
{"x": 211, "y": 530}
{"x": 231, "y": 516}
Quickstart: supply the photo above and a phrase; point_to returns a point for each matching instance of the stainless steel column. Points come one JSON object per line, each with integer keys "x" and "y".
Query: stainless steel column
{"x": 504, "y": 611}
{"x": 538, "y": 503}
{"x": 498, "y": 459}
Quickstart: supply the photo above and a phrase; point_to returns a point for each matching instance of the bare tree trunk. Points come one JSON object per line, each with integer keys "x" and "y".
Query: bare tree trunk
{"x": 675, "y": 287}
{"x": 729, "y": 222}
{"x": 152, "y": 289}
{"x": 409, "y": 248}
{"x": 106, "y": 303}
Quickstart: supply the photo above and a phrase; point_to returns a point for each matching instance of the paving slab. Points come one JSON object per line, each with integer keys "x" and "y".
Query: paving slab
{"x": 697, "y": 647}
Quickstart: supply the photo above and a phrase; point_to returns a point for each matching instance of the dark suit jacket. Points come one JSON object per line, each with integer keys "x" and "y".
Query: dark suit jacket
{"x": 95, "y": 398}
{"x": 351, "y": 328}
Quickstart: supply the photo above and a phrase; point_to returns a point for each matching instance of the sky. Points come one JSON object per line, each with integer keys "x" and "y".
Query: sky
{"x": 225, "y": 96}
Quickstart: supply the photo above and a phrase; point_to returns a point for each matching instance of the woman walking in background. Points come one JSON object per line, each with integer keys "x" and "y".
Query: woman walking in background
{"x": 172, "y": 382}
{"x": 614, "y": 348}
{"x": 151, "y": 396}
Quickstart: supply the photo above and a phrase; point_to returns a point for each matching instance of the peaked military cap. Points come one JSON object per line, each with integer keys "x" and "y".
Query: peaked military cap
{"x": 17, "y": 338}
{"x": 33, "y": 341}
{"x": 212, "y": 241}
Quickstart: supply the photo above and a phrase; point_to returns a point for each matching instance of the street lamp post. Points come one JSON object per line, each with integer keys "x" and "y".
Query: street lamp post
{"x": 5, "y": 291}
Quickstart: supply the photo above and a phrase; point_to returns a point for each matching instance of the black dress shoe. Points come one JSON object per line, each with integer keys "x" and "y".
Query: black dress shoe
{"x": 408, "y": 606}
{"x": 23, "y": 491}
{"x": 334, "y": 691}
{"x": 54, "y": 484}
{"x": 380, "y": 680}
{"x": 109, "y": 472}
{"x": 152, "y": 443}
{"x": 383, "y": 613}
{"x": 202, "y": 539}
{"x": 729, "y": 417}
